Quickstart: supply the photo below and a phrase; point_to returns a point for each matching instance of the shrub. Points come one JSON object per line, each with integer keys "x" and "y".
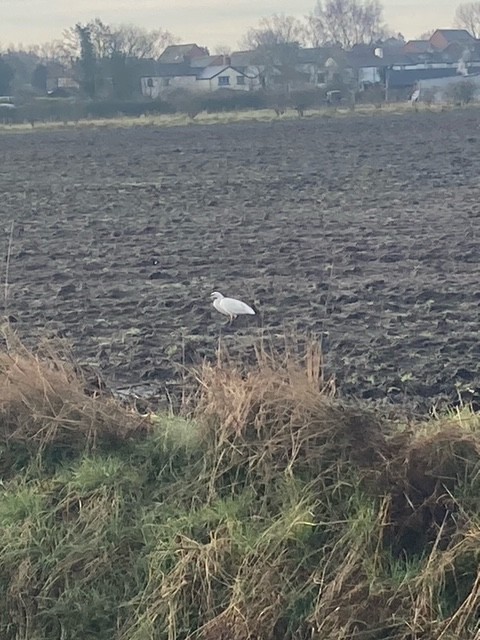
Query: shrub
{"x": 462, "y": 92}
{"x": 303, "y": 99}
{"x": 428, "y": 96}
{"x": 133, "y": 108}
{"x": 183, "y": 101}
{"x": 70, "y": 109}
{"x": 44, "y": 410}
{"x": 231, "y": 100}
{"x": 277, "y": 100}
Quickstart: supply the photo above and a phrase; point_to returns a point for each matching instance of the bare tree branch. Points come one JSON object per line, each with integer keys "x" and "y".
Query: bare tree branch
{"x": 276, "y": 30}
{"x": 276, "y": 42}
{"x": 346, "y": 22}
{"x": 221, "y": 50}
{"x": 128, "y": 40}
{"x": 467, "y": 17}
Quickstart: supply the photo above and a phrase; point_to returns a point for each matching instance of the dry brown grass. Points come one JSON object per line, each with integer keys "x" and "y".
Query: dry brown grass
{"x": 44, "y": 406}
{"x": 282, "y": 416}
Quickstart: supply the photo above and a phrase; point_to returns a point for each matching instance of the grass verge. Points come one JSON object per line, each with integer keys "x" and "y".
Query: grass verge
{"x": 274, "y": 511}
{"x": 228, "y": 117}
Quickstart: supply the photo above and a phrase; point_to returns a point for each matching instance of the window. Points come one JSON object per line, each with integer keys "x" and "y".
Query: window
{"x": 223, "y": 81}
{"x": 321, "y": 78}
{"x": 240, "y": 79}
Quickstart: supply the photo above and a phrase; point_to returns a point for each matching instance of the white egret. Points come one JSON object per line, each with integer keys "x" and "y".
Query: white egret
{"x": 230, "y": 307}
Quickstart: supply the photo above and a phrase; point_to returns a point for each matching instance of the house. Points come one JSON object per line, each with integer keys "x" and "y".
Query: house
{"x": 407, "y": 76}
{"x": 411, "y": 69}
{"x": 243, "y": 59}
{"x": 208, "y": 61}
{"x": 180, "y": 53}
{"x": 313, "y": 63}
{"x": 361, "y": 67}
{"x": 226, "y": 77}
{"x": 441, "y": 38}
{"x": 60, "y": 78}
{"x": 453, "y": 41}
{"x": 169, "y": 77}
{"x": 367, "y": 65}
{"x": 393, "y": 44}
{"x": 416, "y": 46}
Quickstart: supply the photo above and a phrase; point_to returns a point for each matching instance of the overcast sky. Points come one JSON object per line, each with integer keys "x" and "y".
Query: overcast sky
{"x": 209, "y": 23}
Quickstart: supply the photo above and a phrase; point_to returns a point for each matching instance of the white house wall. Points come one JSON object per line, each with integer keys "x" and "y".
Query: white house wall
{"x": 369, "y": 74}
{"x": 161, "y": 86}
{"x": 183, "y": 82}
{"x": 214, "y": 83}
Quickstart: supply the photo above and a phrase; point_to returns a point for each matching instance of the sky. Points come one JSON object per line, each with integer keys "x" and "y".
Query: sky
{"x": 209, "y": 23}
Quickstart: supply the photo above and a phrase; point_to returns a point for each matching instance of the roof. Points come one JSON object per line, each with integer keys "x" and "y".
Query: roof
{"x": 392, "y": 43}
{"x": 211, "y": 72}
{"x": 409, "y": 77}
{"x": 172, "y": 70}
{"x": 475, "y": 51}
{"x": 409, "y": 58}
{"x": 314, "y": 55}
{"x": 206, "y": 61}
{"x": 364, "y": 59}
{"x": 243, "y": 58}
{"x": 420, "y": 46}
{"x": 175, "y": 53}
{"x": 455, "y": 35}
{"x": 142, "y": 66}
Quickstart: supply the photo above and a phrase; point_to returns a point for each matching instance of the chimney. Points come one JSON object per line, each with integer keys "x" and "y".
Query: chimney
{"x": 379, "y": 52}
{"x": 227, "y": 61}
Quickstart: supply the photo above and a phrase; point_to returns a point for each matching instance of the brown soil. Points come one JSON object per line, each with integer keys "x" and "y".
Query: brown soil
{"x": 363, "y": 228}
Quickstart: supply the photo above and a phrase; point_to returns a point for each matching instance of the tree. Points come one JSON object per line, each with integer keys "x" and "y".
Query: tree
{"x": 87, "y": 60}
{"x": 54, "y": 51}
{"x": 346, "y": 22}
{"x": 127, "y": 39}
{"x": 276, "y": 42}
{"x": 121, "y": 76}
{"x": 39, "y": 78}
{"x": 135, "y": 42}
{"x": 277, "y": 30}
{"x": 6, "y": 77}
{"x": 467, "y": 17}
{"x": 103, "y": 50}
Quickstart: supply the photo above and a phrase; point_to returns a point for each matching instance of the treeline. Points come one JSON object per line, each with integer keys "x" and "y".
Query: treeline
{"x": 93, "y": 55}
